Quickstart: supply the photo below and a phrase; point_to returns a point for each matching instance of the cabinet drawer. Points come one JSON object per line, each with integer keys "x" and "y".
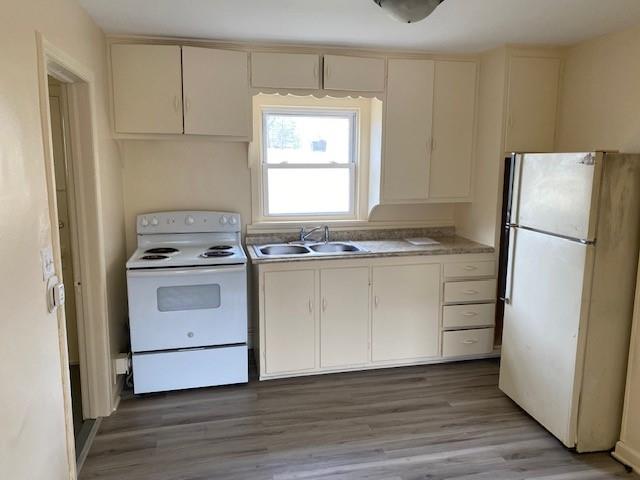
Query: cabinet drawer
{"x": 467, "y": 342}
{"x": 469, "y": 269}
{"x": 470, "y": 292}
{"x": 465, "y": 316}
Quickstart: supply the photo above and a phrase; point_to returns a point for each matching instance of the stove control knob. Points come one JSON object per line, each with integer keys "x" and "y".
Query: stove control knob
{"x": 144, "y": 222}
{"x": 224, "y": 220}
{"x": 189, "y": 220}
{"x": 154, "y": 221}
{"x": 233, "y": 220}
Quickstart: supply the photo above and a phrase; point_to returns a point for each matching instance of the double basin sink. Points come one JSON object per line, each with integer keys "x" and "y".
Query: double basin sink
{"x": 334, "y": 248}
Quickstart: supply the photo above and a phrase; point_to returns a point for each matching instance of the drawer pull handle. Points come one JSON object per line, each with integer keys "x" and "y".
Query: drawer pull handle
{"x": 376, "y": 301}
{"x": 470, "y": 268}
{"x": 324, "y": 304}
{"x": 310, "y": 306}
{"x": 470, "y": 292}
{"x": 469, "y": 314}
{"x": 469, "y": 342}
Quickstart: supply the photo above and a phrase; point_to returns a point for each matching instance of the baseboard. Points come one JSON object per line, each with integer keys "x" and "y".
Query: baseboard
{"x": 627, "y": 456}
{"x": 86, "y": 446}
{"x": 115, "y": 401}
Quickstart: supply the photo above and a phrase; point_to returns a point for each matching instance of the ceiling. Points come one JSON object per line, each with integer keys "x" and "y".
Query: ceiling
{"x": 456, "y": 26}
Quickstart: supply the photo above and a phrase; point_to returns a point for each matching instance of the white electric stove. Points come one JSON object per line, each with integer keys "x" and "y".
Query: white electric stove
{"x": 187, "y": 285}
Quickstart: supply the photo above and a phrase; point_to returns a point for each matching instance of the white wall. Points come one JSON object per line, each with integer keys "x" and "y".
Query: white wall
{"x": 600, "y": 106}
{"x": 478, "y": 220}
{"x": 202, "y": 174}
{"x": 32, "y": 438}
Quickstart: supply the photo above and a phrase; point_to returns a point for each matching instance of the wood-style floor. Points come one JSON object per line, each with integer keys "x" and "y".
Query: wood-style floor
{"x": 430, "y": 422}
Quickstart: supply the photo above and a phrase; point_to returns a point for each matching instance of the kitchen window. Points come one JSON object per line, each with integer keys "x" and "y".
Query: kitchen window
{"x": 308, "y": 163}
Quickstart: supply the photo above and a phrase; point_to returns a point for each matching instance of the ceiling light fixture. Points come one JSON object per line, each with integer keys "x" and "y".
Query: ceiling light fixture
{"x": 408, "y": 11}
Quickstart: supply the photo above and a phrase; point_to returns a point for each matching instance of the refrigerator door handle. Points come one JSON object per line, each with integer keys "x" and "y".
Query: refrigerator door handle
{"x": 509, "y": 280}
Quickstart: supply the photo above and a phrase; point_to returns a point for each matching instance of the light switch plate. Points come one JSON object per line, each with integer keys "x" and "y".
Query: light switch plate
{"x": 46, "y": 259}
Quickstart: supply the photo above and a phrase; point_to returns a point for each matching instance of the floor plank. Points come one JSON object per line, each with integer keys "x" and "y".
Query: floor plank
{"x": 431, "y": 422}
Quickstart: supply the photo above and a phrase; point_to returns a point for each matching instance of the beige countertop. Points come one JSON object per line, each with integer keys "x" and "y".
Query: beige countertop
{"x": 450, "y": 245}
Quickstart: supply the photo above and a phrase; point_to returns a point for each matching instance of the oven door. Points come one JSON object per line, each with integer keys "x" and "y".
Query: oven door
{"x": 187, "y": 307}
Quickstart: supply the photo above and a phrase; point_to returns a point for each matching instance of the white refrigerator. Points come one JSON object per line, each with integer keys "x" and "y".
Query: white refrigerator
{"x": 574, "y": 231}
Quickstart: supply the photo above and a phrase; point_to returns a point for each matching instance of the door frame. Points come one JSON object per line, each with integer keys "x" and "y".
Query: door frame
{"x": 93, "y": 336}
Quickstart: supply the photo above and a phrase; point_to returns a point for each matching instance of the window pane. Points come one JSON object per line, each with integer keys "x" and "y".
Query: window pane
{"x": 308, "y": 190}
{"x": 307, "y": 138}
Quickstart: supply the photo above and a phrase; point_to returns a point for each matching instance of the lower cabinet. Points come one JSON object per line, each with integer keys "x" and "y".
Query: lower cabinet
{"x": 289, "y": 321}
{"x": 344, "y": 316}
{"x": 352, "y": 314}
{"x": 406, "y": 304}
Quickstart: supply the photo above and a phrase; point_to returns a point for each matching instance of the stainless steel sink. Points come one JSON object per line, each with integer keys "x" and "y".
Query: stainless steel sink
{"x": 284, "y": 250}
{"x": 333, "y": 247}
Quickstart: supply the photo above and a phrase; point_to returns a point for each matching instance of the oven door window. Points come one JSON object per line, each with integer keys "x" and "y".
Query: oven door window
{"x": 188, "y": 297}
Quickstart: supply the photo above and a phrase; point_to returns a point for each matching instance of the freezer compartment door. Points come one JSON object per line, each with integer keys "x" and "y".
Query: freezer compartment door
{"x": 541, "y": 326}
{"x": 557, "y": 193}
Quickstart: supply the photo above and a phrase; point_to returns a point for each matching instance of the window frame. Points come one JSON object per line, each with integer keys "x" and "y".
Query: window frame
{"x": 353, "y": 115}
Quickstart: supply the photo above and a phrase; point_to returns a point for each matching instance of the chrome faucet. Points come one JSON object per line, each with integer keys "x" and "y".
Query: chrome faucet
{"x": 305, "y": 235}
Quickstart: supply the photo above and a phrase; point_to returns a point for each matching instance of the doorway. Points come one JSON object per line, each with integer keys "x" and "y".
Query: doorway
{"x": 68, "y": 240}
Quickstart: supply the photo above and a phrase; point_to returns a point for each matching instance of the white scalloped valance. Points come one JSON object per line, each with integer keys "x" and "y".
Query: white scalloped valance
{"x": 316, "y": 93}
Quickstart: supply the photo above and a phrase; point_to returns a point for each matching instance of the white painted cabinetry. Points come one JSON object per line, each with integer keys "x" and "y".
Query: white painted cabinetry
{"x": 147, "y": 88}
{"x": 289, "y": 321}
{"x": 285, "y": 70}
{"x": 344, "y": 316}
{"x": 216, "y": 92}
{"x": 454, "y": 108}
{"x": 407, "y": 131}
{"x": 168, "y": 89}
{"x": 406, "y": 304}
{"x": 360, "y": 74}
{"x": 468, "y": 312}
{"x": 337, "y": 315}
{"x": 429, "y": 132}
{"x": 532, "y": 99}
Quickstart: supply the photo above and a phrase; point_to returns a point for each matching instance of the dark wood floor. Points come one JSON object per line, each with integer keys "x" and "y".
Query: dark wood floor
{"x": 431, "y": 422}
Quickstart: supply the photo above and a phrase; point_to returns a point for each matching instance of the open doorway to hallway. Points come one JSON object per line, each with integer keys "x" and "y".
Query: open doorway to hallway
{"x": 68, "y": 238}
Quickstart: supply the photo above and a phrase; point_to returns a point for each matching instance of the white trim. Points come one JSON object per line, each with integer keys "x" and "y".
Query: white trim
{"x": 627, "y": 456}
{"x": 94, "y": 335}
{"x": 292, "y": 105}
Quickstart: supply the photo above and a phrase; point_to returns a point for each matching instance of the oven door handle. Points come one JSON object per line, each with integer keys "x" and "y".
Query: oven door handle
{"x": 181, "y": 272}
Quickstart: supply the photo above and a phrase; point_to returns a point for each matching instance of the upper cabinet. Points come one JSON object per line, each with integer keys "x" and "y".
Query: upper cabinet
{"x": 407, "y": 131}
{"x": 285, "y": 70}
{"x": 172, "y": 89}
{"x": 358, "y": 74}
{"x": 429, "y": 127}
{"x": 215, "y": 88}
{"x": 454, "y": 111}
{"x": 532, "y": 99}
{"x": 147, "y": 88}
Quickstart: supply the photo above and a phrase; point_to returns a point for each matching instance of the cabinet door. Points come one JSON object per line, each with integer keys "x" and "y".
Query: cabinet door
{"x": 147, "y": 88}
{"x": 285, "y": 70}
{"x": 407, "y": 138}
{"x": 344, "y": 316}
{"x": 216, "y": 92}
{"x": 289, "y": 320}
{"x": 532, "y": 102}
{"x": 353, "y": 73}
{"x": 454, "y": 106}
{"x": 406, "y": 306}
